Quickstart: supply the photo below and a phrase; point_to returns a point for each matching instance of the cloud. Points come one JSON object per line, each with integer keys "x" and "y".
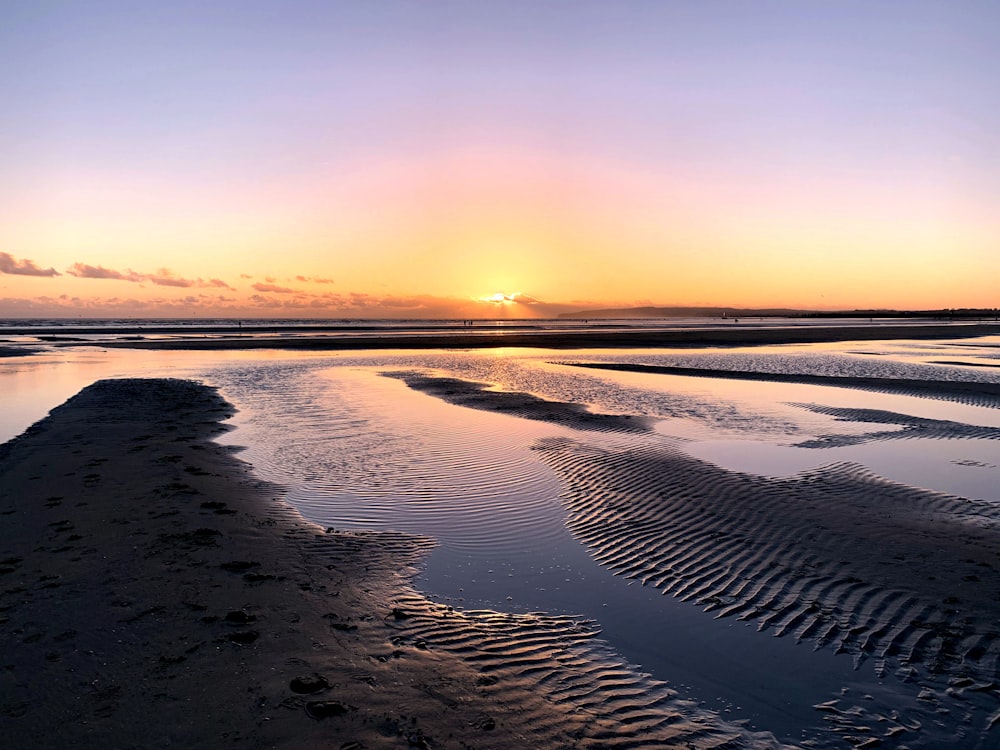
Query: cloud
{"x": 524, "y": 299}
{"x": 166, "y": 277}
{"x": 273, "y": 288}
{"x": 314, "y": 279}
{"x": 10, "y": 264}
{"x": 518, "y": 297}
{"x": 245, "y": 276}
{"x": 84, "y": 271}
{"x": 418, "y": 306}
{"x": 288, "y": 303}
{"x": 259, "y": 301}
{"x": 163, "y": 277}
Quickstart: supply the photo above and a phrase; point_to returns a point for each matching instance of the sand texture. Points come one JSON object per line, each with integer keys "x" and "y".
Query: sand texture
{"x": 525, "y": 405}
{"x": 958, "y": 391}
{"x": 903, "y": 427}
{"x": 155, "y": 594}
{"x": 903, "y": 579}
{"x": 838, "y": 556}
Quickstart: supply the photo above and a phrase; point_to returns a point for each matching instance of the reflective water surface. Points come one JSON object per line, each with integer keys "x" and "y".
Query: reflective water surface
{"x": 357, "y": 449}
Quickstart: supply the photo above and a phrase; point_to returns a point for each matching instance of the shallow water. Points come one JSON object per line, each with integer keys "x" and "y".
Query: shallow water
{"x": 359, "y": 450}
{"x": 364, "y": 451}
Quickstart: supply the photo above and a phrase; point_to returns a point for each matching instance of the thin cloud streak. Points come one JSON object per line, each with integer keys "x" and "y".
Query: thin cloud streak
{"x": 24, "y": 267}
{"x": 163, "y": 277}
{"x": 84, "y": 271}
{"x": 273, "y": 288}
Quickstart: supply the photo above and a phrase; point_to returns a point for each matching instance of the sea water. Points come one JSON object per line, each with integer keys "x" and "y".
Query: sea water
{"x": 359, "y": 450}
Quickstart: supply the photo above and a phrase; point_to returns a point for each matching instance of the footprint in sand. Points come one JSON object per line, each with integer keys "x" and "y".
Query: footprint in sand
{"x": 309, "y": 684}
{"x": 325, "y": 709}
{"x": 239, "y": 617}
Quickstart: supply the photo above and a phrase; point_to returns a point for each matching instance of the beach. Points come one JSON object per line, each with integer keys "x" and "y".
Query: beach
{"x": 156, "y": 594}
{"x": 342, "y": 580}
{"x": 422, "y": 375}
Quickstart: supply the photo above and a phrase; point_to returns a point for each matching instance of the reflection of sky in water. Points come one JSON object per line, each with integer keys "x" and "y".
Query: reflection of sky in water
{"x": 31, "y": 386}
{"x": 339, "y": 431}
{"x": 351, "y": 444}
{"x": 969, "y": 468}
{"x": 369, "y": 452}
{"x": 882, "y": 359}
{"x": 363, "y": 451}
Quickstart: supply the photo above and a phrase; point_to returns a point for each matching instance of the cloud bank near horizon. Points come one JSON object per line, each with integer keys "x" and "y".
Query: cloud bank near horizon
{"x": 40, "y": 291}
{"x": 265, "y": 305}
{"x": 262, "y": 298}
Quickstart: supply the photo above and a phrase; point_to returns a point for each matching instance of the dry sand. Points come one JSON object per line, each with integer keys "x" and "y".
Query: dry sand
{"x": 155, "y": 594}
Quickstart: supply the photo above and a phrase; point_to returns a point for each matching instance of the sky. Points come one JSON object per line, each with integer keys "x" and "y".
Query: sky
{"x": 476, "y": 159}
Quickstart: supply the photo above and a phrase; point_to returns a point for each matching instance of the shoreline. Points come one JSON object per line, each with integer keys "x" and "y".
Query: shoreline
{"x": 155, "y": 593}
{"x": 744, "y": 334}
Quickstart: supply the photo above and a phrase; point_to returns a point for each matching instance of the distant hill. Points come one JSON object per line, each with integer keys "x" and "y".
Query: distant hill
{"x": 632, "y": 313}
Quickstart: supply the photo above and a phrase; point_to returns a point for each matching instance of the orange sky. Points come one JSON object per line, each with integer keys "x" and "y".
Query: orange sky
{"x": 410, "y": 165}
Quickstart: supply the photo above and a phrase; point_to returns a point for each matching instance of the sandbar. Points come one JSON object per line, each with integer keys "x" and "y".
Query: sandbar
{"x": 713, "y": 335}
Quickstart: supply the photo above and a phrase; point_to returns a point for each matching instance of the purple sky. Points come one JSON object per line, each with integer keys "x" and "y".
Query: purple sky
{"x": 152, "y": 135}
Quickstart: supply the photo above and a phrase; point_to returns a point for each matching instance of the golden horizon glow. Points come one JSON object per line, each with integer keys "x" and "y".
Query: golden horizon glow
{"x": 449, "y": 164}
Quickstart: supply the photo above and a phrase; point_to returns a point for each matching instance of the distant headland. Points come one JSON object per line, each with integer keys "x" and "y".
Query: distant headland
{"x": 633, "y": 313}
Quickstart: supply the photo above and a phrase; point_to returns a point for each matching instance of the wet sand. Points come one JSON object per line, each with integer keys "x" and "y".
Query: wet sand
{"x": 744, "y": 334}
{"x": 12, "y": 351}
{"x": 963, "y": 392}
{"x": 525, "y": 405}
{"x": 837, "y": 555}
{"x": 903, "y": 579}
{"x": 154, "y": 593}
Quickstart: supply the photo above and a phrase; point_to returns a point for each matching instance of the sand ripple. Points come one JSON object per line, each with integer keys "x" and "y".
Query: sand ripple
{"x": 838, "y": 556}
{"x": 559, "y": 658}
{"x": 910, "y": 427}
{"x": 964, "y": 392}
{"x": 127, "y": 597}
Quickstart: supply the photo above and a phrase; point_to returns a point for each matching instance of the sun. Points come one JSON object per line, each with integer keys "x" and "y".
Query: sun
{"x": 498, "y": 297}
